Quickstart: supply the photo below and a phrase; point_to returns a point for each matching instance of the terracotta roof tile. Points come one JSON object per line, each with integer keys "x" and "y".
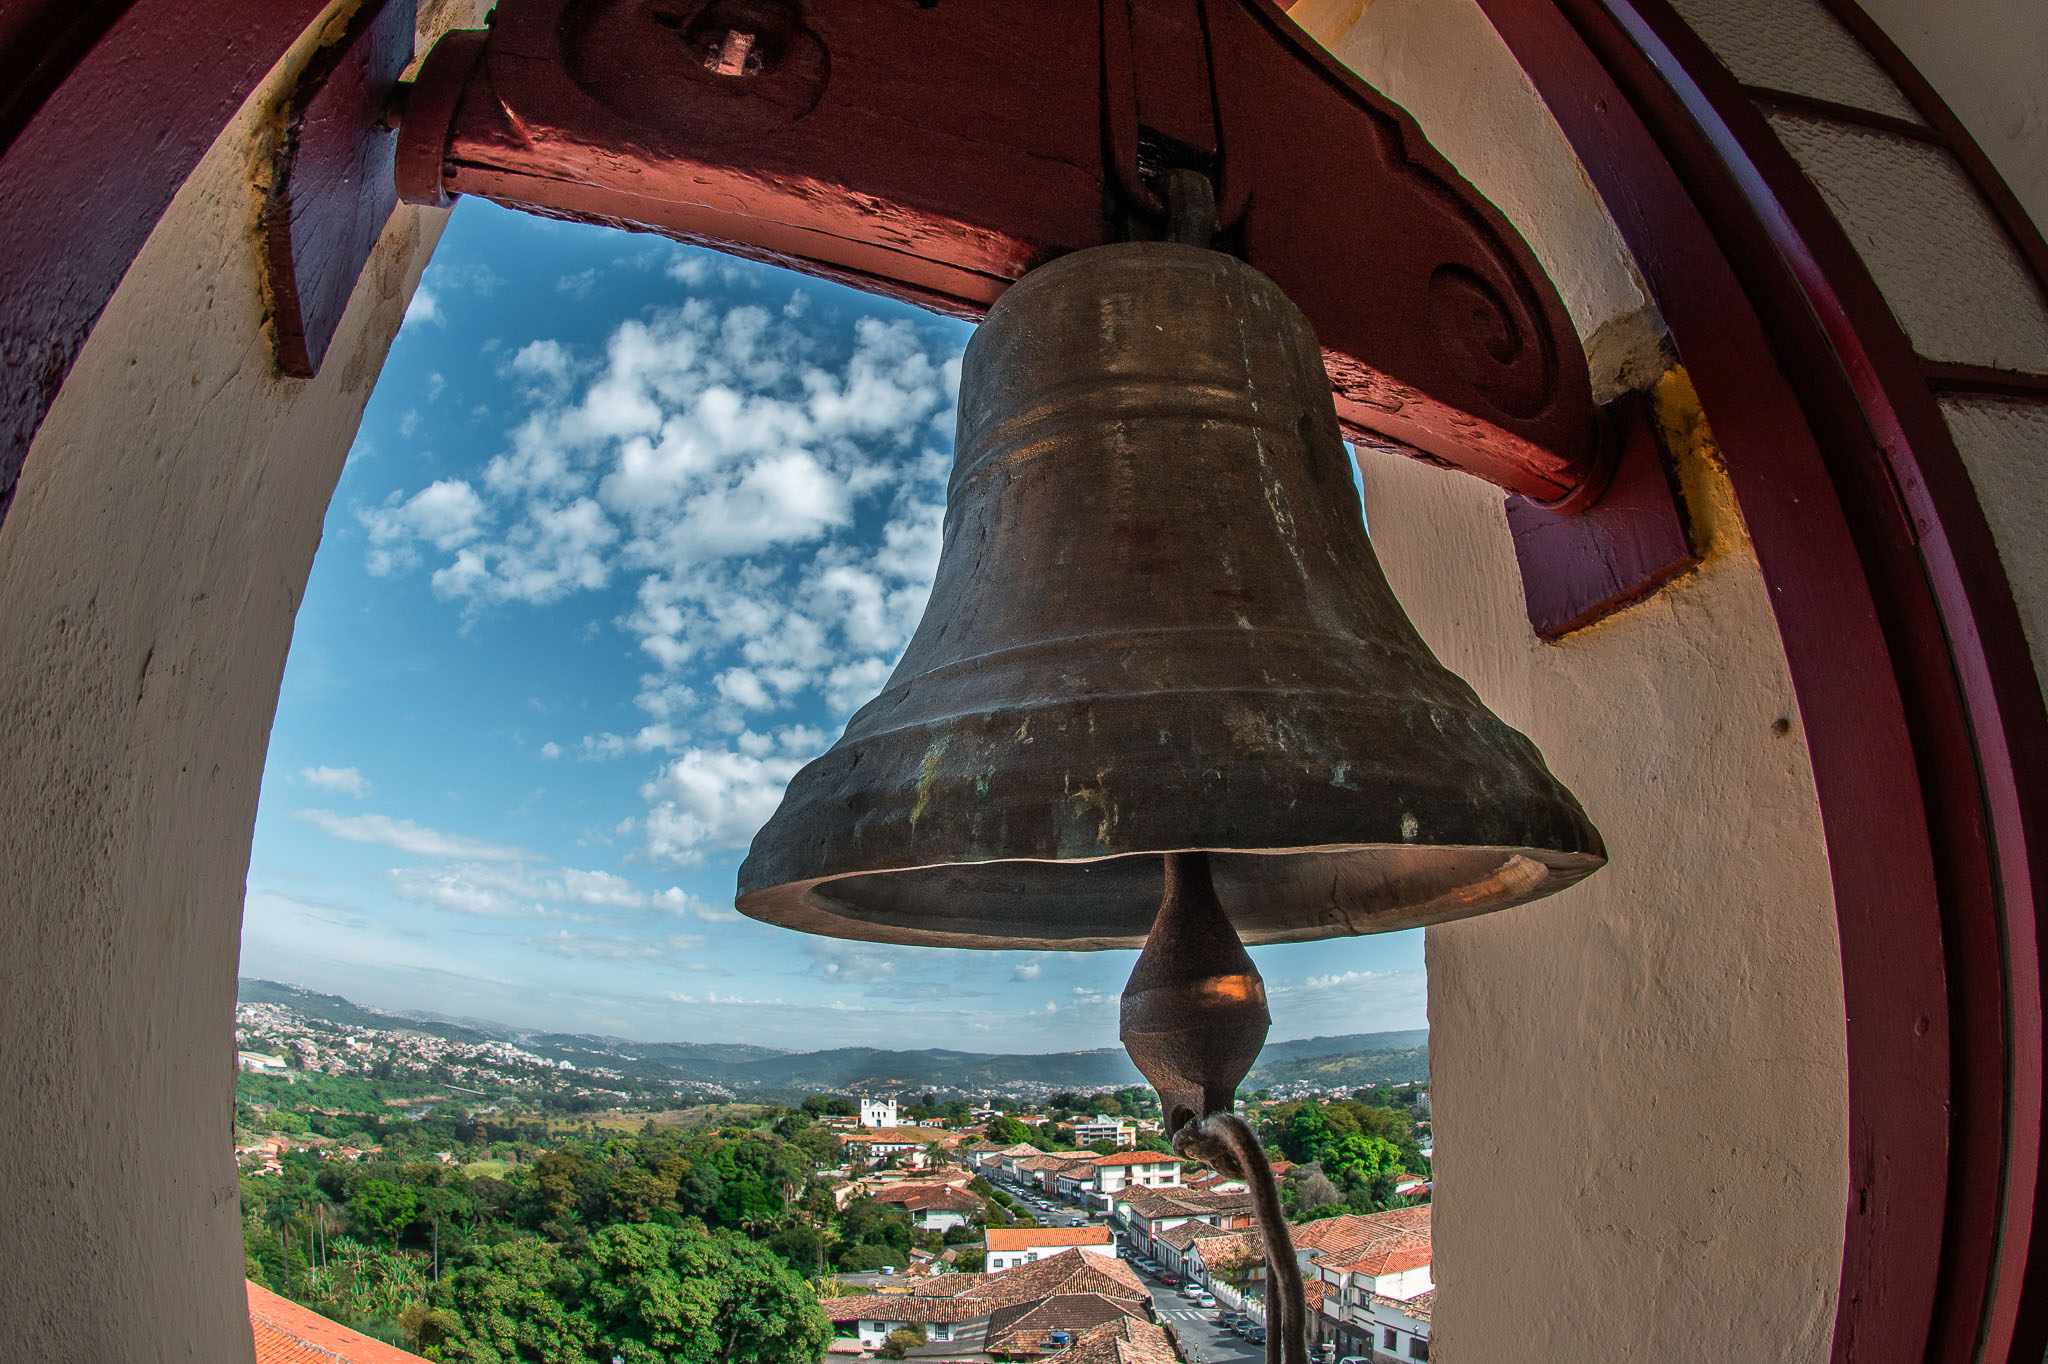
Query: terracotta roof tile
{"x": 1187, "y": 1233}
{"x": 287, "y": 1333}
{"x": 1070, "y": 1271}
{"x": 910, "y": 1307}
{"x": 1151, "y": 1204}
{"x": 1024, "y": 1238}
{"x": 1022, "y": 1329}
{"x": 1418, "y": 1307}
{"x": 1124, "y": 1341}
{"x": 1139, "y": 1158}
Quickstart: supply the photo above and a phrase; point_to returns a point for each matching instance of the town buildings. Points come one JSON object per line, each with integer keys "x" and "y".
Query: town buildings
{"x": 1147, "y": 1214}
{"x": 877, "y": 1112}
{"x": 1010, "y": 1247}
{"x": 1087, "y": 1133}
{"x": 1040, "y": 1307}
{"x": 1377, "y": 1290}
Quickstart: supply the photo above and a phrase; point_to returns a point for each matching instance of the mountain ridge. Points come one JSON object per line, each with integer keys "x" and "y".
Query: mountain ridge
{"x": 1342, "y": 1060}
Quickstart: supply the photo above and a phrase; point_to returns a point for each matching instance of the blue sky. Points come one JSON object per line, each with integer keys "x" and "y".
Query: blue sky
{"x": 630, "y": 529}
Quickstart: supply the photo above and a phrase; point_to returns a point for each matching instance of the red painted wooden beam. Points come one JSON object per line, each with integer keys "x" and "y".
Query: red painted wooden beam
{"x": 938, "y": 153}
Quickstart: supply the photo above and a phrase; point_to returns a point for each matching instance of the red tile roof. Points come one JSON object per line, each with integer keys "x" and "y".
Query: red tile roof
{"x": 287, "y": 1333}
{"x": 1389, "y": 1255}
{"x": 1022, "y": 1329}
{"x": 1026, "y": 1238}
{"x": 1070, "y": 1271}
{"x": 1125, "y": 1341}
{"x": 1139, "y": 1158}
{"x": 916, "y": 1308}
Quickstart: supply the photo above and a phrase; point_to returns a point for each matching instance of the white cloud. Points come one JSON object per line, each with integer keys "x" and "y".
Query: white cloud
{"x": 425, "y": 307}
{"x": 408, "y": 837}
{"x": 446, "y": 515}
{"x": 546, "y": 361}
{"x": 709, "y": 799}
{"x": 555, "y": 551}
{"x": 690, "y": 269}
{"x": 771, "y": 494}
{"x": 345, "y": 781}
{"x": 566, "y": 944}
{"x": 551, "y": 749}
{"x": 677, "y": 901}
{"x": 469, "y": 888}
{"x": 1027, "y": 970}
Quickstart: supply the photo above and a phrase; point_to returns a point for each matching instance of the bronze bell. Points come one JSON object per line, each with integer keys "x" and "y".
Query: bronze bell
{"x": 1158, "y": 626}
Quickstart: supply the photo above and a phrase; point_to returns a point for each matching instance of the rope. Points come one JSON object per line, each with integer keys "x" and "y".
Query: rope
{"x": 1225, "y": 1141}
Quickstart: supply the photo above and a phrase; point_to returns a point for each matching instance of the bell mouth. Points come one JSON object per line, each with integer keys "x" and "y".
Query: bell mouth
{"x": 1084, "y": 905}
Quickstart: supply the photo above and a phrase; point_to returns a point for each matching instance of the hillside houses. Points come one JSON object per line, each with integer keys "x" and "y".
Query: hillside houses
{"x": 916, "y": 1146}
{"x": 933, "y": 1207}
{"x": 1377, "y": 1290}
{"x": 1145, "y": 1214}
{"x": 1037, "y": 1309}
{"x": 1010, "y": 1247}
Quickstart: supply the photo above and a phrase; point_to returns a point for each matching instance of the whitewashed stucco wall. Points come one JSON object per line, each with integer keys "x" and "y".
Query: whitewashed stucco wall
{"x": 149, "y": 571}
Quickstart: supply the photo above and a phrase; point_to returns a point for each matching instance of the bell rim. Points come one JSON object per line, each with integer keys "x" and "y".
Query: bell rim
{"x": 794, "y": 905}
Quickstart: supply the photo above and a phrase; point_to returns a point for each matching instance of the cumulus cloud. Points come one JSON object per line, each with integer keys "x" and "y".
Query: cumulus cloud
{"x": 717, "y": 798}
{"x": 1027, "y": 970}
{"x": 546, "y": 362}
{"x": 424, "y": 308}
{"x": 563, "y": 943}
{"x": 405, "y": 836}
{"x": 677, "y": 901}
{"x": 346, "y": 781}
{"x": 772, "y": 494}
{"x": 445, "y": 515}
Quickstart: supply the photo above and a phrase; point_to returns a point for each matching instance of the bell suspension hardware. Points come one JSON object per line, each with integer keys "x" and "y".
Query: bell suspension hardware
{"x": 1193, "y": 1020}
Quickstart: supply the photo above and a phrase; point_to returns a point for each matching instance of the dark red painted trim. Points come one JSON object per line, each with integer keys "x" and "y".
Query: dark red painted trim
{"x": 1976, "y": 706}
{"x": 331, "y": 184}
{"x": 1946, "y": 377}
{"x": 87, "y": 177}
{"x": 1751, "y": 270}
{"x": 1842, "y": 113}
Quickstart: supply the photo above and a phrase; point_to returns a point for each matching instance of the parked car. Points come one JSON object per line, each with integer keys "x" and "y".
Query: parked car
{"x": 1255, "y": 1336}
{"x": 1228, "y": 1319}
{"x": 1204, "y": 1298}
{"x": 1244, "y": 1324}
{"x": 1190, "y": 1290}
{"x": 1170, "y": 1279}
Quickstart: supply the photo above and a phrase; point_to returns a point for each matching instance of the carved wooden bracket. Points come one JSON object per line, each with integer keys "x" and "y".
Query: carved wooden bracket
{"x": 331, "y": 188}
{"x": 937, "y": 151}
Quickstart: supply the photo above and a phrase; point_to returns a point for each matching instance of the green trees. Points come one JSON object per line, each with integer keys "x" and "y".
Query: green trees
{"x": 900, "y": 1341}
{"x": 1356, "y": 1151}
{"x": 640, "y": 1294}
{"x": 384, "y": 1208}
{"x": 1007, "y": 1130}
{"x": 865, "y": 1224}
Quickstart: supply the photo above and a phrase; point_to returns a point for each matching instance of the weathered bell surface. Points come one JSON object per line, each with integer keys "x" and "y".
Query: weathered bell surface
{"x": 1158, "y": 625}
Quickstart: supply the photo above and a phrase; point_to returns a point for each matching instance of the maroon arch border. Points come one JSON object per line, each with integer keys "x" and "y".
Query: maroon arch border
{"x": 1922, "y": 710}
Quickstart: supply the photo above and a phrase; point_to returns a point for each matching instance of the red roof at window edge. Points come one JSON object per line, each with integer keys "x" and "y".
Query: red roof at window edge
{"x": 287, "y": 1333}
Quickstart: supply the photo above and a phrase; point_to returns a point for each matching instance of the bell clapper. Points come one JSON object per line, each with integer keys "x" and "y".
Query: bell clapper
{"x": 1193, "y": 1019}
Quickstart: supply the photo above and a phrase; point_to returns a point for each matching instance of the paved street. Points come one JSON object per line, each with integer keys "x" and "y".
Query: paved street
{"x": 1202, "y": 1341}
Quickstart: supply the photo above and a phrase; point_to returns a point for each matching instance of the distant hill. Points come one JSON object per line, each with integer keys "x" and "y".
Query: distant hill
{"x": 1346, "y": 1061}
